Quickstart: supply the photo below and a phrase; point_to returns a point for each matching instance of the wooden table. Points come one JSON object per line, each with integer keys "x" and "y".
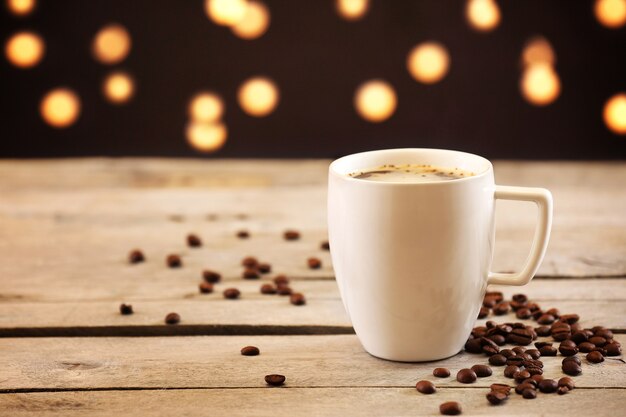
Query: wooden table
{"x": 66, "y": 227}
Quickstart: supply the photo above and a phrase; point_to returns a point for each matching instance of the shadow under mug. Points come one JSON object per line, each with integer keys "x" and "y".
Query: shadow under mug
{"x": 412, "y": 260}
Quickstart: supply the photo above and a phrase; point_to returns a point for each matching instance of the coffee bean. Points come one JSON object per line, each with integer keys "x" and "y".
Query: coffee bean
{"x": 490, "y": 350}
{"x": 482, "y": 371}
{"x": 250, "y": 273}
{"x": 126, "y": 309}
{"x": 501, "y": 388}
{"x": 264, "y": 268}
{"x": 579, "y": 337}
{"x": 496, "y": 295}
{"x": 496, "y": 397}
{"x": 507, "y": 353}
{"x": 243, "y": 234}
{"x": 450, "y": 408}
{"x": 606, "y": 333}
{"x": 543, "y": 330}
{"x": 510, "y": 371}
{"x": 268, "y": 289}
{"x": 501, "y": 309}
{"x": 291, "y": 235}
{"x": 325, "y": 245}
{"x": 566, "y": 382}
{"x": 466, "y": 376}
{"x": 441, "y": 372}
{"x": 529, "y": 394}
{"x": 515, "y": 305}
{"x": 521, "y": 376}
{"x": 537, "y": 314}
{"x": 250, "y": 351}
{"x": 570, "y": 318}
{"x": 534, "y": 353}
{"x": 546, "y": 319}
{"x": 524, "y": 385}
{"x": 205, "y": 287}
{"x": 599, "y": 341}
{"x": 601, "y": 351}
{"x": 425, "y": 387}
{"x": 523, "y": 313}
{"x": 231, "y": 293}
{"x": 497, "y": 360}
{"x": 283, "y": 290}
{"x": 520, "y": 298}
{"x": 548, "y": 386}
{"x": 548, "y": 351}
{"x": 595, "y": 357}
{"x": 173, "y": 261}
{"x": 537, "y": 377}
{"x": 314, "y": 263}
{"x": 586, "y": 347}
{"x": 520, "y": 337}
{"x": 554, "y": 312}
{"x": 489, "y": 302}
{"x": 172, "y": 318}
{"x": 532, "y": 363}
{"x": 534, "y": 371}
{"x": 567, "y": 350}
{"x": 530, "y": 381}
{"x": 539, "y": 345}
{"x": 297, "y": 299}
{"x": 135, "y": 256}
{"x": 613, "y": 349}
{"x": 275, "y": 380}
{"x": 211, "y": 276}
{"x": 498, "y": 339}
{"x": 562, "y": 390}
{"x": 281, "y": 279}
{"x": 484, "y": 312}
{"x": 575, "y": 359}
{"x": 193, "y": 241}
{"x": 515, "y": 360}
{"x": 249, "y": 262}
{"x": 571, "y": 368}
{"x": 561, "y": 332}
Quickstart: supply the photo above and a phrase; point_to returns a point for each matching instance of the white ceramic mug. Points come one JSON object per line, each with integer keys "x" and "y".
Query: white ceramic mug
{"x": 412, "y": 260}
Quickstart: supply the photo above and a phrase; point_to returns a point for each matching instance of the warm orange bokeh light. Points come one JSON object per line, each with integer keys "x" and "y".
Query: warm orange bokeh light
{"x": 25, "y": 49}
{"x": 60, "y": 107}
{"x": 226, "y": 12}
{"x": 428, "y": 62}
{"x": 615, "y": 113}
{"x": 352, "y": 9}
{"x": 258, "y": 96}
{"x": 610, "y": 13}
{"x": 538, "y": 51}
{"x": 21, "y": 7}
{"x": 254, "y": 23}
{"x": 206, "y": 137}
{"x": 111, "y": 44}
{"x": 483, "y": 15}
{"x": 206, "y": 107}
{"x": 118, "y": 87}
{"x": 540, "y": 84}
{"x": 375, "y": 100}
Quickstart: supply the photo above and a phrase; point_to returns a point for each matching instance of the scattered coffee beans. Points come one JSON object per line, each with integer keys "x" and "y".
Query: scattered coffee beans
{"x": 510, "y": 371}
{"x": 613, "y": 349}
{"x": 425, "y": 387}
{"x": 450, "y": 408}
{"x": 291, "y": 235}
{"x": 173, "y": 261}
{"x": 501, "y": 309}
{"x": 548, "y": 386}
{"x": 562, "y": 390}
{"x": 521, "y": 376}
{"x": 250, "y": 273}
{"x": 482, "y": 371}
{"x": 297, "y": 299}
{"x": 194, "y": 241}
{"x": 281, "y": 279}
{"x": 211, "y": 276}
{"x": 126, "y": 309}
{"x": 325, "y": 245}
{"x": 501, "y": 387}
{"x": 268, "y": 289}
{"x": 243, "y": 234}
{"x": 529, "y": 393}
{"x": 314, "y": 263}
{"x": 566, "y": 382}
{"x": 441, "y": 372}
{"x": 571, "y": 368}
{"x": 249, "y": 262}
{"x": 283, "y": 290}
{"x": 275, "y": 380}
{"x": 497, "y": 360}
{"x": 231, "y": 293}
{"x": 595, "y": 357}
{"x": 172, "y": 318}
{"x": 264, "y": 268}
{"x": 250, "y": 351}
{"x": 466, "y": 376}
{"x": 548, "y": 351}
{"x": 205, "y": 287}
{"x": 135, "y": 256}
{"x": 496, "y": 397}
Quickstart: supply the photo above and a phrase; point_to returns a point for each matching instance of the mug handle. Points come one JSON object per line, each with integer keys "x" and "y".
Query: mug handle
{"x": 543, "y": 199}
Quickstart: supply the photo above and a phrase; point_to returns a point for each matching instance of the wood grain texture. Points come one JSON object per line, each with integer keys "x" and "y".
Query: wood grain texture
{"x": 216, "y": 362}
{"x": 280, "y": 402}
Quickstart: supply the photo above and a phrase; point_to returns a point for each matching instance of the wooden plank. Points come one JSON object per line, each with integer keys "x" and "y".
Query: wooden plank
{"x": 329, "y": 402}
{"x": 216, "y": 362}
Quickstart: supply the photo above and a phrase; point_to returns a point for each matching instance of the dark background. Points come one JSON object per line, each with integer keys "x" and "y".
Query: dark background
{"x": 317, "y": 60}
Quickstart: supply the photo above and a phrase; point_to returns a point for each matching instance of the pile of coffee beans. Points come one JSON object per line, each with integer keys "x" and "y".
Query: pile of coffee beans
{"x": 521, "y": 363}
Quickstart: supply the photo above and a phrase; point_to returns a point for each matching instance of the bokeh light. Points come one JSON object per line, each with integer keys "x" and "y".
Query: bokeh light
{"x": 25, "y": 49}
{"x": 111, "y": 44}
{"x": 540, "y": 84}
{"x": 258, "y": 96}
{"x": 428, "y": 62}
{"x": 538, "y": 51}
{"x": 615, "y": 113}
{"x": 226, "y": 12}
{"x": 375, "y": 100}
{"x": 352, "y": 9}
{"x": 483, "y": 15}
{"x": 118, "y": 87}
{"x": 60, "y": 107}
{"x": 254, "y": 23}
{"x": 206, "y": 137}
{"x": 21, "y": 7}
{"x": 206, "y": 107}
{"x": 610, "y": 13}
